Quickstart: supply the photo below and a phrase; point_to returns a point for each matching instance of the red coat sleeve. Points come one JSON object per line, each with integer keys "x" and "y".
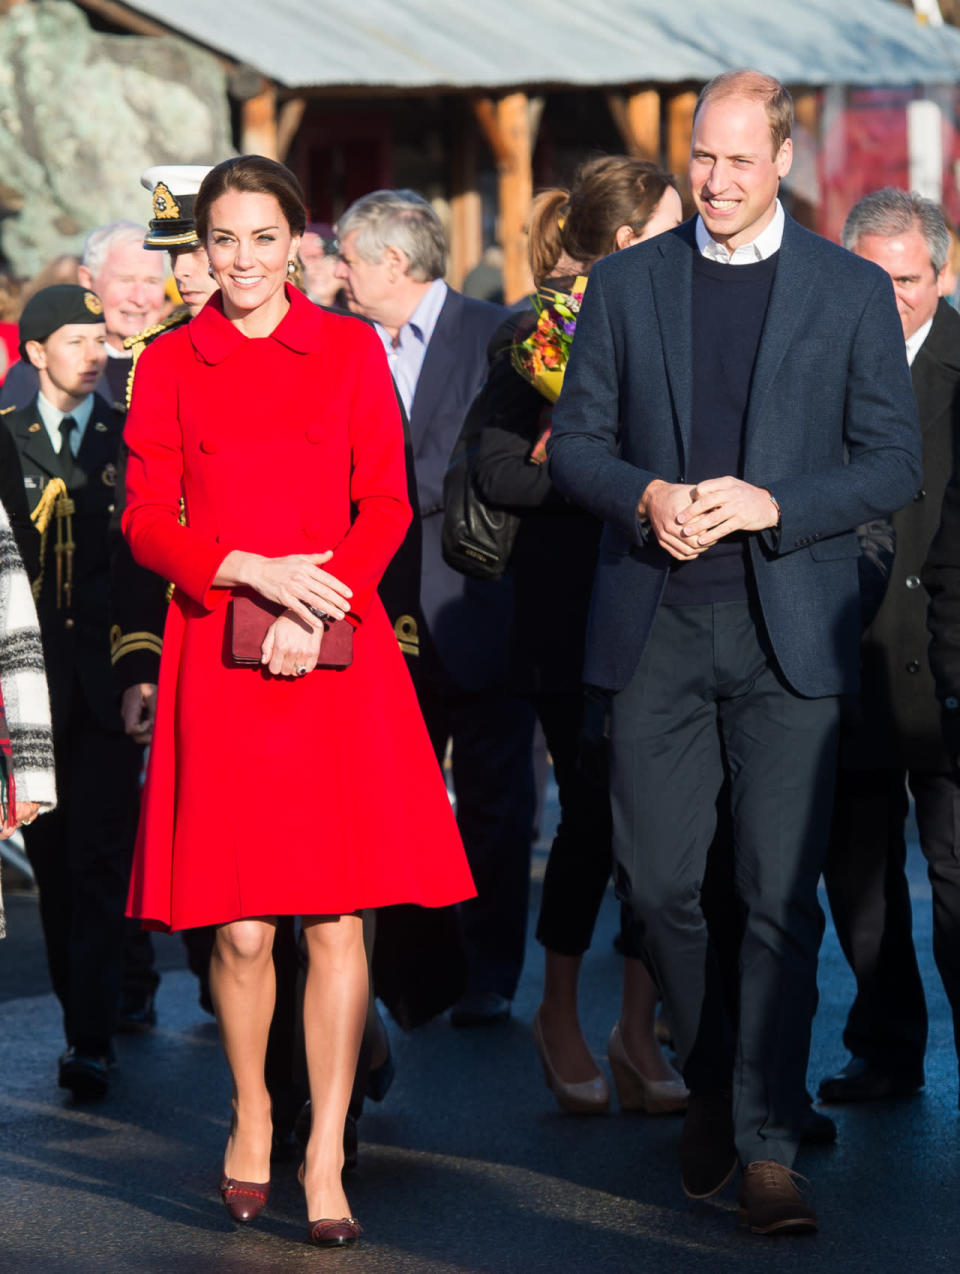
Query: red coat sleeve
{"x": 151, "y": 519}
{"x": 378, "y": 481}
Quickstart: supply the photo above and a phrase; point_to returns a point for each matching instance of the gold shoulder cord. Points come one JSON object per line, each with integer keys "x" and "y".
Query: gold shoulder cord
{"x": 55, "y": 502}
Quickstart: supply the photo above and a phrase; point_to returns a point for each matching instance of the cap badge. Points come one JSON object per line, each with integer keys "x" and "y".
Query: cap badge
{"x": 165, "y": 207}
{"x": 92, "y": 303}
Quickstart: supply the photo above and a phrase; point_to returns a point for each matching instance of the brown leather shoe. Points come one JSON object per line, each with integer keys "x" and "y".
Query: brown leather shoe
{"x": 244, "y": 1200}
{"x": 329, "y": 1233}
{"x": 771, "y": 1203}
{"x": 708, "y": 1157}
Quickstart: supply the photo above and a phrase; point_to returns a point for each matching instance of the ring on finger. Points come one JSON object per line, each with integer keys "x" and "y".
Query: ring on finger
{"x": 301, "y": 671}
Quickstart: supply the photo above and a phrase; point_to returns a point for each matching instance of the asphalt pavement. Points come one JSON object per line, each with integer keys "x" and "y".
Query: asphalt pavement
{"x": 467, "y": 1167}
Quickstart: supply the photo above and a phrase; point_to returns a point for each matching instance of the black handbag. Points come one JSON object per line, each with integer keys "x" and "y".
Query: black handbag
{"x": 477, "y": 538}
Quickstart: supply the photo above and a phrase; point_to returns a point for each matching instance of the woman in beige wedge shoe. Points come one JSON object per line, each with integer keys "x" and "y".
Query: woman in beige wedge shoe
{"x": 614, "y": 203}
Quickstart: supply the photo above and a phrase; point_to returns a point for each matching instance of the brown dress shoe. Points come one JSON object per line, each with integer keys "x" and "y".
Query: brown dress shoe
{"x": 244, "y": 1200}
{"x": 329, "y": 1233}
{"x": 771, "y": 1203}
{"x": 708, "y": 1157}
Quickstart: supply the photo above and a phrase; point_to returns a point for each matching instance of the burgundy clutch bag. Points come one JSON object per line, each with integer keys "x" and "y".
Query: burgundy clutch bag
{"x": 251, "y": 616}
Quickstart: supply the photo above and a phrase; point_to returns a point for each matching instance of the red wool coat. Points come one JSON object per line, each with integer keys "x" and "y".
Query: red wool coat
{"x": 269, "y": 795}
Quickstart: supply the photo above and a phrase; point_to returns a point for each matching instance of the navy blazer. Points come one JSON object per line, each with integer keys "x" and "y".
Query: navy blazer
{"x": 831, "y": 431}
{"x": 467, "y": 621}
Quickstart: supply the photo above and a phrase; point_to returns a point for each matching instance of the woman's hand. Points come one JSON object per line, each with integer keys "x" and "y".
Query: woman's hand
{"x": 296, "y": 582}
{"x": 291, "y": 647}
{"x": 24, "y": 812}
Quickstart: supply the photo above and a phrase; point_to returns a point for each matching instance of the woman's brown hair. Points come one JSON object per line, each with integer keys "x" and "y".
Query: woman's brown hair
{"x": 252, "y": 174}
{"x": 607, "y": 193}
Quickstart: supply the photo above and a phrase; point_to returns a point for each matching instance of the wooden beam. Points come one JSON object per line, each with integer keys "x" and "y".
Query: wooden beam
{"x": 124, "y": 17}
{"x": 289, "y": 120}
{"x": 637, "y": 119}
{"x": 466, "y": 206}
{"x": 680, "y": 110}
{"x": 258, "y": 135}
{"x": 506, "y": 124}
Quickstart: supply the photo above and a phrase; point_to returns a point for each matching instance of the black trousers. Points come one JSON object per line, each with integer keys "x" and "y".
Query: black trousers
{"x": 870, "y": 903}
{"x": 492, "y": 736}
{"x": 708, "y": 703}
{"x": 81, "y": 856}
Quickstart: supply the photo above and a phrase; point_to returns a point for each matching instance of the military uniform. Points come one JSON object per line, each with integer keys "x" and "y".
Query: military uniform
{"x": 81, "y": 853}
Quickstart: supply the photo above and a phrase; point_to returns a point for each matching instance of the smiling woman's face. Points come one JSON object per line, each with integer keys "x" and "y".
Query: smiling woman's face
{"x": 249, "y": 245}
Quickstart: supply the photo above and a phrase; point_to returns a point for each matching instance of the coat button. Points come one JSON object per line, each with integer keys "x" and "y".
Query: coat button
{"x": 913, "y": 665}
{"x": 912, "y": 581}
{"x": 209, "y": 446}
{"x": 920, "y": 494}
{"x": 315, "y": 433}
{"x": 69, "y": 623}
{"x": 951, "y": 703}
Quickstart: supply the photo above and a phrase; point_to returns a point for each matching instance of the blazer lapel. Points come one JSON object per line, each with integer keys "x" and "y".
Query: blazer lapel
{"x": 671, "y": 279}
{"x": 441, "y": 352}
{"x": 788, "y": 297}
{"x": 100, "y": 442}
{"x": 33, "y": 441}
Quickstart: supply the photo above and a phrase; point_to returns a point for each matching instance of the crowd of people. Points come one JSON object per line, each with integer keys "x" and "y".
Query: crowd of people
{"x": 724, "y": 464}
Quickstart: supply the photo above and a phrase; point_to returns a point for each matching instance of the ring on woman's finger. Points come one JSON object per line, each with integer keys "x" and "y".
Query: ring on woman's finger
{"x": 301, "y": 671}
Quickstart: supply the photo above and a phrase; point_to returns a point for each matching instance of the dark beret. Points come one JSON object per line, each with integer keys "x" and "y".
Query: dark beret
{"x": 54, "y": 307}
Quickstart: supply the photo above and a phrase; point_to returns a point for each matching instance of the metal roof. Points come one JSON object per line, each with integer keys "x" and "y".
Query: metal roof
{"x": 430, "y": 44}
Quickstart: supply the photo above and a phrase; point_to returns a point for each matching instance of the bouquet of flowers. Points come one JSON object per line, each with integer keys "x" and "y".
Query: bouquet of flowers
{"x": 542, "y": 357}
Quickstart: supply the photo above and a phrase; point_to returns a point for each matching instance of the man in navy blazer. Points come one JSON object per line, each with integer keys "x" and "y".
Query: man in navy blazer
{"x": 392, "y": 261}
{"x": 737, "y": 401}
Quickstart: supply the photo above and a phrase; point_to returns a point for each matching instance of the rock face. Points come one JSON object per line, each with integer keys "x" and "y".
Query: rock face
{"x": 82, "y": 115}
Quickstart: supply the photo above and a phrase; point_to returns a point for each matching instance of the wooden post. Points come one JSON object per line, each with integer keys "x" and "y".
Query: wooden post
{"x": 680, "y": 110}
{"x": 288, "y": 121}
{"x": 507, "y": 126}
{"x": 466, "y": 206}
{"x": 259, "y": 126}
{"x": 637, "y": 117}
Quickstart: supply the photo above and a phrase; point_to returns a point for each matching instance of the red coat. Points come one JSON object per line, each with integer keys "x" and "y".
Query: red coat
{"x": 267, "y": 795}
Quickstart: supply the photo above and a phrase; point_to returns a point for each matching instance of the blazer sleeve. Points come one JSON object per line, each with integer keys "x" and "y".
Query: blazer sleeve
{"x": 151, "y": 518}
{"x": 138, "y": 604}
{"x": 378, "y": 478}
{"x": 13, "y": 495}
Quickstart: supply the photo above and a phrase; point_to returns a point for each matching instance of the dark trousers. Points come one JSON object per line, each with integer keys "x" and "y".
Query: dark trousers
{"x": 581, "y": 856}
{"x": 870, "y": 903}
{"x": 706, "y": 703}
{"x": 492, "y": 735}
{"x": 81, "y": 855}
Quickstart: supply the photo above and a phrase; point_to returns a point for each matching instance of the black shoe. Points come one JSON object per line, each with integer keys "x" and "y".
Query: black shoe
{"x": 85, "y": 1074}
{"x": 860, "y": 1081}
{"x": 816, "y": 1129}
{"x": 708, "y": 1156}
{"x": 479, "y": 1008}
{"x": 137, "y": 1013}
{"x": 379, "y": 1078}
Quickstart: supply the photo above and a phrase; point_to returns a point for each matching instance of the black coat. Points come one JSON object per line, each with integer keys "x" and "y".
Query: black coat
{"x": 555, "y": 553}
{"x": 14, "y": 499}
{"x": 900, "y": 714}
{"x": 75, "y": 628}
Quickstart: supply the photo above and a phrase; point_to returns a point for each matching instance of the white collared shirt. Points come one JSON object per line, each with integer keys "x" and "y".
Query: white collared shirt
{"x": 51, "y": 417}
{"x": 406, "y": 354}
{"x": 916, "y": 340}
{"x": 764, "y": 245}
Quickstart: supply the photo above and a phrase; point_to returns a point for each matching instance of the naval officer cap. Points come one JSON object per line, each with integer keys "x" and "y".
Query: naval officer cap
{"x": 52, "y": 308}
{"x": 174, "y": 188}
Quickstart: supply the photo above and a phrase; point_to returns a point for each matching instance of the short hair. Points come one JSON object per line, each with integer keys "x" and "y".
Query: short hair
{"x": 99, "y": 242}
{"x": 607, "y": 193}
{"x": 399, "y": 219}
{"x": 756, "y": 87}
{"x": 891, "y": 211}
{"x": 255, "y": 175}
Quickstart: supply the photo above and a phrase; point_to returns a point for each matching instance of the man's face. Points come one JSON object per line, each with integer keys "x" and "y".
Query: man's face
{"x": 70, "y": 361}
{"x": 130, "y": 285}
{"x": 906, "y": 258}
{"x": 734, "y": 176}
{"x": 191, "y": 272}
{"x": 367, "y": 284}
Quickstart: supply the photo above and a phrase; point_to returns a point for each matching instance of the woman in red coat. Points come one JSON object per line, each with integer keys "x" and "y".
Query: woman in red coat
{"x": 276, "y": 424}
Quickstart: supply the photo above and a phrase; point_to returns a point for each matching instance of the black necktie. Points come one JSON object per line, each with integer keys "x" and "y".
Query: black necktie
{"x": 67, "y": 426}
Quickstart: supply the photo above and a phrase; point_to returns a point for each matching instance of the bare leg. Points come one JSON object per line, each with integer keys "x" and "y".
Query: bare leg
{"x": 334, "y": 1010}
{"x": 243, "y": 987}
{"x": 637, "y": 1014}
{"x": 559, "y": 1020}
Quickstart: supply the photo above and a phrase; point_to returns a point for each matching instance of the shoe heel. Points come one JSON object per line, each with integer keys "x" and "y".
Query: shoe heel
{"x": 586, "y": 1097}
{"x": 635, "y": 1091}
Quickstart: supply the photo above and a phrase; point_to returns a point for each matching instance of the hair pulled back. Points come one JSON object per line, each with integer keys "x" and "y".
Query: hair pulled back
{"x": 607, "y": 193}
{"x": 255, "y": 175}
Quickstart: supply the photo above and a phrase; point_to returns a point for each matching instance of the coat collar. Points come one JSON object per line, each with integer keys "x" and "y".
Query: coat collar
{"x": 215, "y": 338}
